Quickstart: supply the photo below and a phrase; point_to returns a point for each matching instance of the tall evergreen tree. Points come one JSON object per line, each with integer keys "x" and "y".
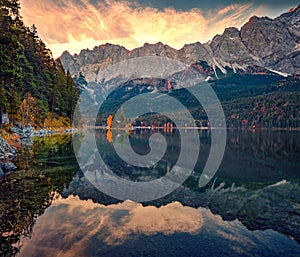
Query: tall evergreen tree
{"x": 27, "y": 66}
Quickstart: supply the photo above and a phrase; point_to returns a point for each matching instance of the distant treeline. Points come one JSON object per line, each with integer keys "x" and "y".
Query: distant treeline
{"x": 248, "y": 101}
{"x": 29, "y": 76}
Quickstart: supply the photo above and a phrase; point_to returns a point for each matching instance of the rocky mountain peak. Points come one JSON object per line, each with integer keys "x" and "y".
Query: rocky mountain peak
{"x": 229, "y": 49}
{"x": 293, "y": 10}
{"x": 232, "y": 32}
{"x": 158, "y": 49}
{"x": 273, "y": 41}
{"x": 264, "y": 42}
{"x": 65, "y": 54}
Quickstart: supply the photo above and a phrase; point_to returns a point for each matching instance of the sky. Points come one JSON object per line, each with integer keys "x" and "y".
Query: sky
{"x": 74, "y": 25}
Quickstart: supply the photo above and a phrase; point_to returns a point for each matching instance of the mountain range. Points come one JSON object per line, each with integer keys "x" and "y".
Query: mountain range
{"x": 255, "y": 73}
{"x": 262, "y": 45}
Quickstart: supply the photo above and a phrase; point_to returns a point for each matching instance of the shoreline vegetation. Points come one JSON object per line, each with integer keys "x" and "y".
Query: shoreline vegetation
{"x": 12, "y": 142}
{"x": 35, "y": 89}
{"x": 37, "y": 96}
{"x": 193, "y": 128}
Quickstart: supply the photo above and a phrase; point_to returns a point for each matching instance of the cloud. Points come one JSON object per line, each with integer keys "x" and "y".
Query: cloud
{"x": 69, "y": 225}
{"x": 228, "y": 9}
{"x": 80, "y": 24}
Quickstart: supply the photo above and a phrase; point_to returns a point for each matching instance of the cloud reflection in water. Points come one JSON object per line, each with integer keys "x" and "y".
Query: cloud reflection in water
{"x": 72, "y": 224}
{"x": 74, "y": 227}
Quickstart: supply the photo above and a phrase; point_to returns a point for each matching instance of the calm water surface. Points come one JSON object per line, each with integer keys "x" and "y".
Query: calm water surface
{"x": 250, "y": 208}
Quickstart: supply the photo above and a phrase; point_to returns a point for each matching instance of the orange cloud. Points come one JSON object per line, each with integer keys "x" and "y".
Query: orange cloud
{"x": 72, "y": 26}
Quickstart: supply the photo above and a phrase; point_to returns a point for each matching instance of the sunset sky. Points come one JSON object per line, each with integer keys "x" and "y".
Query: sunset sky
{"x": 79, "y": 24}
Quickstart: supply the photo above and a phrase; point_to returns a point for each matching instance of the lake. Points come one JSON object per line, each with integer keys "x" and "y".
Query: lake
{"x": 251, "y": 206}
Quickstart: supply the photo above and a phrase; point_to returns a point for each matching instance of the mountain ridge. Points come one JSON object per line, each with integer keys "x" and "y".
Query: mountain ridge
{"x": 269, "y": 43}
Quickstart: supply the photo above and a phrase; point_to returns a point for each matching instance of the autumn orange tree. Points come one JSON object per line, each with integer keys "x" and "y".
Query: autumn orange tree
{"x": 29, "y": 111}
{"x": 109, "y": 121}
{"x": 109, "y": 136}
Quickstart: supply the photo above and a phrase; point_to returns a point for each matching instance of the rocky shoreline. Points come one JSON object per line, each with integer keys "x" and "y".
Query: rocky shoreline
{"x": 24, "y": 136}
{"x": 28, "y": 131}
{"x": 7, "y": 154}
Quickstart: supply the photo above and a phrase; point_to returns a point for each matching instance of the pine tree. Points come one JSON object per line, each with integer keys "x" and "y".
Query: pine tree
{"x": 27, "y": 67}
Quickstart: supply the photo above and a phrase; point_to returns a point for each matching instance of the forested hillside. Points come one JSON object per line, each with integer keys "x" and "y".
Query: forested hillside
{"x": 33, "y": 86}
{"x": 248, "y": 101}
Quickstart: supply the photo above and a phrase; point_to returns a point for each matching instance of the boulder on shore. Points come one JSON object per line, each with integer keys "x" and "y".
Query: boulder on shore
{"x": 23, "y": 131}
{"x": 7, "y": 152}
{"x": 1, "y": 173}
{"x": 7, "y": 166}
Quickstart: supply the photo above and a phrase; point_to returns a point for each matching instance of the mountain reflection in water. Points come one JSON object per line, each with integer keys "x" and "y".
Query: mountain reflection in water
{"x": 250, "y": 208}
